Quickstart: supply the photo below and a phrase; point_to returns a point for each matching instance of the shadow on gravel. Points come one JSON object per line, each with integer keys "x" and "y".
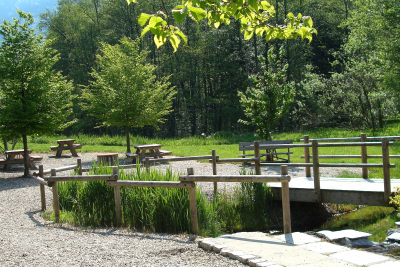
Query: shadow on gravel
{"x": 16, "y": 182}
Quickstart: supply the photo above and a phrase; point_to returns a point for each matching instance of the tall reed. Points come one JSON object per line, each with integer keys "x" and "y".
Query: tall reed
{"x": 164, "y": 209}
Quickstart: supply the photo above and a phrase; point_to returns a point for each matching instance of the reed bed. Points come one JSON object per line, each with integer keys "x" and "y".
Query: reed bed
{"x": 164, "y": 209}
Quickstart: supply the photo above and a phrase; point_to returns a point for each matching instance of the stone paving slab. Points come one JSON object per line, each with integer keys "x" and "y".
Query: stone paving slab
{"x": 350, "y": 234}
{"x": 386, "y": 264}
{"x": 298, "y": 238}
{"x": 324, "y": 248}
{"x": 259, "y": 249}
{"x": 394, "y": 236}
{"x": 275, "y": 251}
{"x": 360, "y": 258}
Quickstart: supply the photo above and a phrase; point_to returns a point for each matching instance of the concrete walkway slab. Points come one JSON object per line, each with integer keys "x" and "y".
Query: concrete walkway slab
{"x": 274, "y": 250}
{"x": 360, "y": 258}
{"x": 298, "y": 238}
{"x": 387, "y": 264}
{"x": 259, "y": 249}
{"x": 324, "y": 248}
{"x": 350, "y": 234}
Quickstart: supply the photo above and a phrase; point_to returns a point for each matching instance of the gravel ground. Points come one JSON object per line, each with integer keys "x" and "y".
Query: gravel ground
{"x": 26, "y": 239}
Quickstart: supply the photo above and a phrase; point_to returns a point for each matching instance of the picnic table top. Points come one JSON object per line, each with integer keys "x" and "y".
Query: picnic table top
{"x": 66, "y": 141}
{"x": 17, "y": 151}
{"x": 147, "y": 146}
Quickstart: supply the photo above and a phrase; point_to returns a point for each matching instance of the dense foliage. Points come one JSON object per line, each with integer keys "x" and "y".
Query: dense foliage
{"x": 355, "y": 54}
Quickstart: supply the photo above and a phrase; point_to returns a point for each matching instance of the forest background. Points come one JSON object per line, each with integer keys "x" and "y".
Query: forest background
{"x": 348, "y": 76}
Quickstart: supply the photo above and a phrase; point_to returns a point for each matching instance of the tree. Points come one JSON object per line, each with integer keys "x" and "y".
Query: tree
{"x": 253, "y": 15}
{"x": 270, "y": 97}
{"x": 125, "y": 91}
{"x": 34, "y": 99}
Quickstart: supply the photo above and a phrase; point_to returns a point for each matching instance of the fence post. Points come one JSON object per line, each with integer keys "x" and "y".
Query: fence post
{"x": 287, "y": 228}
{"x": 56, "y": 203}
{"x": 364, "y": 158}
{"x": 117, "y": 199}
{"x": 214, "y": 166}
{"x": 42, "y": 188}
{"x": 307, "y": 156}
{"x": 79, "y": 165}
{"x": 317, "y": 186}
{"x": 386, "y": 169}
{"x": 147, "y": 164}
{"x": 257, "y": 157}
{"x": 193, "y": 205}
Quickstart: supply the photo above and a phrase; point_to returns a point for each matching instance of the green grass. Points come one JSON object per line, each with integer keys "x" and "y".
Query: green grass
{"x": 373, "y": 220}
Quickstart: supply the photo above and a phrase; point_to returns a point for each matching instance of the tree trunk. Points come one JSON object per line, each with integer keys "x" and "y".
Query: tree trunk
{"x": 26, "y": 156}
{"x": 128, "y": 141}
{"x": 5, "y": 145}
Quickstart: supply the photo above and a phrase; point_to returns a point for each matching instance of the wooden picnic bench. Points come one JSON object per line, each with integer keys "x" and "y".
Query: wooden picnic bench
{"x": 66, "y": 144}
{"x": 272, "y": 154}
{"x": 17, "y": 157}
{"x": 150, "y": 150}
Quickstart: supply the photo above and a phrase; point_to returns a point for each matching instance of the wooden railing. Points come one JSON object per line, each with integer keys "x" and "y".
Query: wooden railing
{"x": 364, "y": 156}
{"x": 316, "y": 165}
{"x": 186, "y": 181}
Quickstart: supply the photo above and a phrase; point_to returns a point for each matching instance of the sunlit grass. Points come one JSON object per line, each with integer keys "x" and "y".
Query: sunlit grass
{"x": 374, "y": 220}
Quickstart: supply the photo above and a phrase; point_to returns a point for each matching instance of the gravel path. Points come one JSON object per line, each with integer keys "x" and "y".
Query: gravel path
{"x": 26, "y": 239}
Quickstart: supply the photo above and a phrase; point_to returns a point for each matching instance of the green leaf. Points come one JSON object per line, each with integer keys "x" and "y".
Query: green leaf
{"x": 197, "y": 13}
{"x": 183, "y": 36}
{"x": 248, "y": 34}
{"x": 303, "y": 32}
{"x": 260, "y": 31}
{"x": 156, "y": 21}
{"x": 216, "y": 24}
{"x": 145, "y": 30}
{"x": 175, "y": 41}
{"x": 253, "y": 4}
{"x": 308, "y": 22}
{"x": 290, "y": 16}
{"x": 143, "y": 18}
{"x": 131, "y": 1}
{"x": 179, "y": 13}
{"x": 155, "y": 30}
{"x": 159, "y": 40}
{"x": 265, "y": 5}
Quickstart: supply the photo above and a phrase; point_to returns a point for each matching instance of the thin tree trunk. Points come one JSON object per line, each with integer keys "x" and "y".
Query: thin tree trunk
{"x": 128, "y": 141}
{"x": 5, "y": 145}
{"x": 26, "y": 156}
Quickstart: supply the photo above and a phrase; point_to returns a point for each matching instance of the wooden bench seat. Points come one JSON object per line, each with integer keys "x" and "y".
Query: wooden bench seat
{"x": 165, "y": 152}
{"x": 36, "y": 158}
{"x": 56, "y": 148}
{"x": 249, "y": 146}
{"x": 131, "y": 155}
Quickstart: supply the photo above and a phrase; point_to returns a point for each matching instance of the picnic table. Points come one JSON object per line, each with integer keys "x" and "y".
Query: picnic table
{"x": 150, "y": 150}
{"x": 17, "y": 157}
{"x": 66, "y": 144}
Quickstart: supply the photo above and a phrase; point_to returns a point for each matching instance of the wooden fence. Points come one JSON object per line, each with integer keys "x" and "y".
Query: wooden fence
{"x": 363, "y": 156}
{"x": 186, "y": 181}
{"x": 316, "y": 165}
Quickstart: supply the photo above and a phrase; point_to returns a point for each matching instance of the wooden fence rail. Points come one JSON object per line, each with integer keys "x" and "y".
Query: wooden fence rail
{"x": 283, "y": 178}
{"x": 315, "y": 145}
